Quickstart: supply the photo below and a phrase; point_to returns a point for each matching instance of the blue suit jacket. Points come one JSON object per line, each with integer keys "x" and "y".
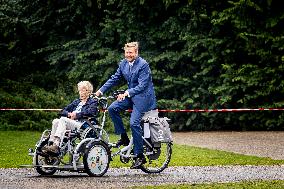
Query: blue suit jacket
{"x": 139, "y": 81}
{"x": 90, "y": 108}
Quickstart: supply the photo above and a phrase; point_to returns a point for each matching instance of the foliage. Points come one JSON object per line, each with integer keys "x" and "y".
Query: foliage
{"x": 29, "y": 97}
{"x": 203, "y": 55}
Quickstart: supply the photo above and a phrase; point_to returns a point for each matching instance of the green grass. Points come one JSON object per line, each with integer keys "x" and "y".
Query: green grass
{"x": 194, "y": 156}
{"x": 15, "y": 145}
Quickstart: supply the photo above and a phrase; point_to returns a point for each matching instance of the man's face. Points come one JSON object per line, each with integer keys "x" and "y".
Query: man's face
{"x": 130, "y": 53}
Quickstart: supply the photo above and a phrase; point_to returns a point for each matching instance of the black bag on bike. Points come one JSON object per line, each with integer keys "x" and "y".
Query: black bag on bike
{"x": 160, "y": 130}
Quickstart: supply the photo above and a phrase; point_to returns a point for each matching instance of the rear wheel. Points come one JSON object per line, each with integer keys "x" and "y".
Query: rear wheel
{"x": 96, "y": 159}
{"x": 159, "y": 159}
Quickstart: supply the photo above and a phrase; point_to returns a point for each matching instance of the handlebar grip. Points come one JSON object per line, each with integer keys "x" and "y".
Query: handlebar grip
{"x": 93, "y": 95}
{"x": 117, "y": 92}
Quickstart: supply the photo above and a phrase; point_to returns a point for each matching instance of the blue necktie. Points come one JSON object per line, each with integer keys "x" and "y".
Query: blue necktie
{"x": 130, "y": 67}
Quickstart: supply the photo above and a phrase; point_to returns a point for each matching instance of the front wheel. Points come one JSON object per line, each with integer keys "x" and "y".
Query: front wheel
{"x": 159, "y": 159}
{"x": 45, "y": 163}
{"x": 96, "y": 159}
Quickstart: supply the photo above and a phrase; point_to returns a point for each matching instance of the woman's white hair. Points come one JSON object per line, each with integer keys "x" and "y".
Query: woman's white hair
{"x": 86, "y": 84}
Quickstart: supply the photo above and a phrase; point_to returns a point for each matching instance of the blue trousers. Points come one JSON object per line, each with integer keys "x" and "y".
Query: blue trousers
{"x": 114, "y": 109}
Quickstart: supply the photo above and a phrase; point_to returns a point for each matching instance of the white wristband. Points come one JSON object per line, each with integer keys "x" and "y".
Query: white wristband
{"x": 127, "y": 93}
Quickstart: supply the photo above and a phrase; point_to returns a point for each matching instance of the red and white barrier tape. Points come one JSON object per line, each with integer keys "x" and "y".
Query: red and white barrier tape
{"x": 194, "y": 110}
{"x": 28, "y": 109}
{"x": 225, "y": 110}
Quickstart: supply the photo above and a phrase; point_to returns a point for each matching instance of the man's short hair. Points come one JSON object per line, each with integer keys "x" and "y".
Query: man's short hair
{"x": 131, "y": 44}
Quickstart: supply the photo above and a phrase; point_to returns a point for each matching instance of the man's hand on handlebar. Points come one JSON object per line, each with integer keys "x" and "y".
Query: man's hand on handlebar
{"x": 98, "y": 93}
{"x": 119, "y": 95}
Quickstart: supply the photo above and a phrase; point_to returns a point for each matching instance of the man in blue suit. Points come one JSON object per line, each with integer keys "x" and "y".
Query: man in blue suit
{"x": 140, "y": 96}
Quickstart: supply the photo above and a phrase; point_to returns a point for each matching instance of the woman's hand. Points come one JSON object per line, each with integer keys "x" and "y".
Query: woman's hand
{"x": 121, "y": 97}
{"x": 72, "y": 115}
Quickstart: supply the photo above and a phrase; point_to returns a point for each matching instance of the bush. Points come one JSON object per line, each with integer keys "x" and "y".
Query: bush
{"x": 23, "y": 95}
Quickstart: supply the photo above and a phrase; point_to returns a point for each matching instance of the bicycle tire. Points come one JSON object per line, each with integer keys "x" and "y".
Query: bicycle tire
{"x": 156, "y": 163}
{"x": 41, "y": 160}
{"x": 96, "y": 159}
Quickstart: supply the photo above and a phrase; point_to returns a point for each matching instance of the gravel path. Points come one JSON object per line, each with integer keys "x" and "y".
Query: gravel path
{"x": 124, "y": 177}
{"x": 263, "y": 144}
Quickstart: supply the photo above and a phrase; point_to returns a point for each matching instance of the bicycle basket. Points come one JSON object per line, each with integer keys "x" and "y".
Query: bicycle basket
{"x": 160, "y": 130}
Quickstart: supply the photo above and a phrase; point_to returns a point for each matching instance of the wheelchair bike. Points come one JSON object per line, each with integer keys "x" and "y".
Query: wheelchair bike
{"x": 89, "y": 150}
{"x": 76, "y": 149}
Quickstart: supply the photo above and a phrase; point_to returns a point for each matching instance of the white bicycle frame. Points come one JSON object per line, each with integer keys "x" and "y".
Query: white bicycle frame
{"x": 126, "y": 151}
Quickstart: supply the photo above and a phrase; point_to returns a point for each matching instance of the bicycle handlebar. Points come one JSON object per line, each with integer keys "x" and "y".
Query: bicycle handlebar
{"x": 103, "y": 101}
{"x": 114, "y": 95}
{"x": 93, "y": 95}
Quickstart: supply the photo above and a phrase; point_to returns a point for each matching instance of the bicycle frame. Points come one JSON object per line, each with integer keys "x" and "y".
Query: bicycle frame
{"x": 128, "y": 148}
{"x": 89, "y": 150}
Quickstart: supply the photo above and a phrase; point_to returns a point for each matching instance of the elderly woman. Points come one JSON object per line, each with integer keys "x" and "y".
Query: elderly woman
{"x": 72, "y": 115}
